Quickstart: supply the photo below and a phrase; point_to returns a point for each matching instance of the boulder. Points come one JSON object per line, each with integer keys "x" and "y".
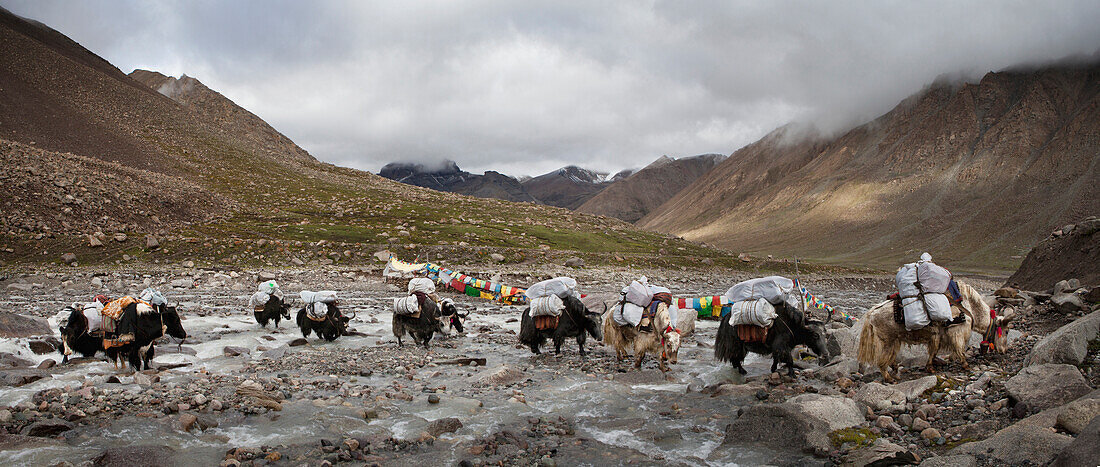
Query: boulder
{"x": 781, "y": 427}
{"x": 914, "y": 388}
{"x": 1068, "y": 344}
{"x": 444, "y": 425}
{"x": 151, "y": 242}
{"x": 47, "y": 428}
{"x": 383, "y": 255}
{"x": 574, "y": 262}
{"x": 234, "y": 351}
{"x": 94, "y": 241}
{"x": 128, "y": 456}
{"x": 11, "y": 360}
{"x": 496, "y": 257}
{"x": 841, "y": 367}
{"x": 1070, "y": 302}
{"x": 836, "y": 412}
{"x": 265, "y": 276}
{"x": 1030, "y": 440}
{"x": 21, "y": 376}
{"x": 882, "y": 452}
{"x": 15, "y": 325}
{"x": 68, "y": 258}
{"x": 274, "y": 354}
{"x": 843, "y": 341}
{"x": 183, "y": 283}
{"x": 1085, "y": 450}
{"x": 41, "y": 347}
{"x": 1076, "y": 415}
{"x": 1047, "y": 385}
{"x": 879, "y": 396}
{"x": 961, "y": 460}
{"x": 120, "y": 237}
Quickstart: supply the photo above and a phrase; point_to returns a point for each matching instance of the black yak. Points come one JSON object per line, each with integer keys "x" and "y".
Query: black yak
{"x": 145, "y": 324}
{"x": 332, "y": 326}
{"x": 450, "y": 317}
{"x": 790, "y": 328}
{"x": 274, "y": 310}
{"x": 420, "y": 327}
{"x": 575, "y": 321}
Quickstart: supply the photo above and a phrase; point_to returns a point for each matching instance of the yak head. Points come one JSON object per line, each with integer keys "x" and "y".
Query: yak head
{"x": 75, "y": 325}
{"x": 997, "y": 333}
{"x": 815, "y": 339}
{"x": 284, "y": 309}
{"x": 172, "y": 323}
{"x": 671, "y": 341}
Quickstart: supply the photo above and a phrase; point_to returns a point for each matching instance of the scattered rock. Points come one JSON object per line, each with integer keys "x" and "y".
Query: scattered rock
{"x": 1076, "y": 415}
{"x": 297, "y": 342}
{"x": 120, "y": 237}
{"x": 46, "y": 428}
{"x": 1046, "y": 385}
{"x": 15, "y": 325}
{"x": 187, "y": 421}
{"x": 914, "y": 388}
{"x": 782, "y": 427}
{"x": 882, "y": 453}
{"x": 1069, "y": 344}
{"x": 234, "y": 351}
{"x": 574, "y": 262}
{"x": 879, "y": 396}
{"x": 961, "y": 460}
{"x": 1085, "y": 450}
{"x": 151, "y": 242}
{"x": 497, "y": 257}
{"x": 836, "y": 412}
{"x": 444, "y": 425}
{"x": 41, "y": 347}
{"x": 68, "y": 258}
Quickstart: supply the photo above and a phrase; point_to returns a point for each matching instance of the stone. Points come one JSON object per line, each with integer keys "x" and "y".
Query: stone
{"x": 265, "y": 276}
{"x": 21, "y": 376}
{"x": 1076, "y": 415}
{"x": 1069, "y": 302}
{"x": 920, "y": 425}
{"x": 120, "y": 237}
{"x": 383, "y": 255}
{"x": 16, "y": 325}
{"x": 199, "y": 399}
{"x": 781, "y": 427}
{"x": 41, "y": 347}
{"x": 142, "y": 379}
{"x": 842, "y": 341}
{"x": 929, "y": 434}
{"x": 47, "y": 364}
{"x": 234, "y": 351}
{"x": 47, "y": 428}
{"x": 574, "y": 262}
{"x": 275, "y": 353}
{"x": 151, "y": 242}
{"x": 128, "y": 456}
{"x": 187, "y": 421}
{"x": 497, "y": 257}
{"x": 884, "y": 422}
{"x": 1046, "y": 385}
{"x": 1068, "y": 344}
{"x": 188, "y": 264}
{"x": 433, "y": 399}
{"x": 836, "y": 412}
{"x": 1085, "y": 450}
{"x": 840, "y": 367}
{"x": 882, "y": 452}
{"x": 94, "y": 241}
{"x": 961, "y": 460}
{"x": 183, "y": 283}
{"x": 914, "y": 388}
{"x": 68, "y": 258}
{"x": 879, "y": 396}
{"x": 297, "y": 342}
{"x": 444, "y": 425}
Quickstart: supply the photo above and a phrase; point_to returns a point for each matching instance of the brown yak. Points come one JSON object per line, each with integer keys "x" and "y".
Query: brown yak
{"x": 882, "y": 337}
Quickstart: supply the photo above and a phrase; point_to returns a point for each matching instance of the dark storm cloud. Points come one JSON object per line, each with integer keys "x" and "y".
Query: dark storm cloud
{"x": 526, "y": 87}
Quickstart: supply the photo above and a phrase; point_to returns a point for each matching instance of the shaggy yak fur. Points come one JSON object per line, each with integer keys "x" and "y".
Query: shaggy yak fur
{"x": 665, "y": 344}
{"x": 576, "y": 321}
{"x": 450, "y": 318}
{"x": 791, "y": 328}
{"x": 274, "y": 310}
{"x": 75, "y": 337}
{"x": 147, "y": 328}
{"x": 333, "y": 326}
{"x": 881, "y": 337}
{"x": 420, "y": 329}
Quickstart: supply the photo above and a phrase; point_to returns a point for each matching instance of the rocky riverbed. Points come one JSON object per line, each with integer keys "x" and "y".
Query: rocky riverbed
{"x": 235, "y": 393}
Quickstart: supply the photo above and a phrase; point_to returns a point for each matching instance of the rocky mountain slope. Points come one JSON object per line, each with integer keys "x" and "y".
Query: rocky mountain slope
{"x": 976, "y": 173}
{"x": 93, "y": 155}
{"x": 568, "y": 187}
{"x": 633, "y": 197}
{"x": 1071, "y": 252}
{"x": 449, "y": 178}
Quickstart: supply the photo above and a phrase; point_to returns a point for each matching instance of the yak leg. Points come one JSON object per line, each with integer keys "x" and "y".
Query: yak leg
{"x": 933, "y": 349}
{"x": 580, "y": 343}
{"x": 149, "y": 356}
{"x": 535, "y": 348}
{"x": 639, "y": 358}
{"x": 888, "y": 360}
{"x": 790, "y": 363}
{"x": 558, "y": 341}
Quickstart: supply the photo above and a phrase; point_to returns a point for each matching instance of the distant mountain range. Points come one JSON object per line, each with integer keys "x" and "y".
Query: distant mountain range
{"x": 975, "y": 173}
{"x": 448, "y": 177}
{"x": 569, "y": 187}
{"x": 632, "y": 197}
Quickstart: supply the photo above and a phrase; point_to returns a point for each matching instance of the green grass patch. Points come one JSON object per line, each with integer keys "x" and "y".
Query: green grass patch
{"x": 855, "y": 437}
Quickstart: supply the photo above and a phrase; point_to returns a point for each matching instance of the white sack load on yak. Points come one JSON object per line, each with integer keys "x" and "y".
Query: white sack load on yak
{"x": 636, "y": 297}
{"x": 422, "y": 285}
{"x": 759, "y": 312}
{"x": 153, "y": 297}
{"x": 775, "y": 289}
{"x": 922, "y": 289}
{"x": 407, "y": 306}
{"x": 420, "y": 289}
{"x": 560, "y": 286}
{"x": 550, "y": 305}
{"x": 264, "y": 292}
{"x": 317, "y": 303}
{"x": 93, "y": 311}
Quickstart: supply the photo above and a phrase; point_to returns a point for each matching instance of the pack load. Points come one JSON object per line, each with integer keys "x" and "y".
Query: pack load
{"x": 258, "y": 300}
{"x": 93, "y": 311}
{"x": 550, "y": 305}
{"x": 153, "y": 297}
{"x": 638, "y": 292}
{"x": 317, "y": 303}
{"x": 759, "y": 312}
{"x": 560, "y": 286}
{"x": 270, "y": 288}
{"x": 664, "y": 295}
{"x": 421, "y": 285}
{"x": 922, "y": 288}
{"x": 408, "y": 306}
{"x": 775, "y": 289}
{"x": 626, "y": 313}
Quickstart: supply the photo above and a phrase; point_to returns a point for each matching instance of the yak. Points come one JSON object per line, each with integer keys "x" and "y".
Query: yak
{"x": 146, "y": 324}
{"x": 882, "y": 336}
{"x": 665, "y": 343}
{"x": 576, "y": 321}
{"x": 274, "y": 310}
{"x": 450, "y": 318}
{"x": 75, "y": 336}
{"x": 334, "y": 325}
{"x": 790, "y": 328}
{"x": 423, "y": 326}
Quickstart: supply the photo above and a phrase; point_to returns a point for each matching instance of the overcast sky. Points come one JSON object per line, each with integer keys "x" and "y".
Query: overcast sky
{"x": 526, "y": 87}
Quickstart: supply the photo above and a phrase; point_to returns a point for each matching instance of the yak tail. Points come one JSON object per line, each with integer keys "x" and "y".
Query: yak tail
{"x": 867, "y": 342}
{"x": 724, "y": 345}
{"x": 612, "y": 336}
